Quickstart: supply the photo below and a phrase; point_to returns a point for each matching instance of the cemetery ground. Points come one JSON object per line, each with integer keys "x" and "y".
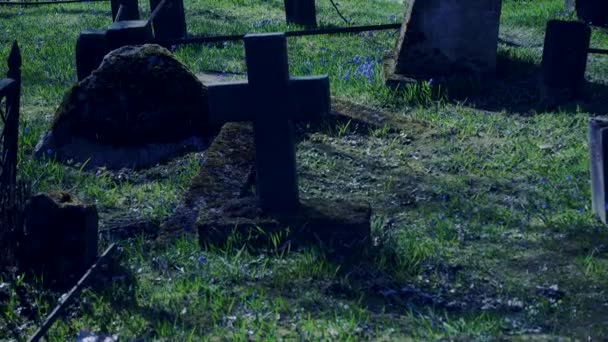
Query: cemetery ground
{"x": 482, "y": 218}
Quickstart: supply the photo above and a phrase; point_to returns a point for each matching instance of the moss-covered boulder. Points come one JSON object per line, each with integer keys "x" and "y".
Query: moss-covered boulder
{"x": 139, "y": 96}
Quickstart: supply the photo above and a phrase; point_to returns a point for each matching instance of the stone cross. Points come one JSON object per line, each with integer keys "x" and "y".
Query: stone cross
{"x": 272, "y": 100}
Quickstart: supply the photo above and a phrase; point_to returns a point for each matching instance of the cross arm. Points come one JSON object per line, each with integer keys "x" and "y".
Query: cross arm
{"x": 309, "y": 99}
{"x": 229, "y": 101}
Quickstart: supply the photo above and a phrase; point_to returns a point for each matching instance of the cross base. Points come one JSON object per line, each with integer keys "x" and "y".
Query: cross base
{"x": 341, "y": 227}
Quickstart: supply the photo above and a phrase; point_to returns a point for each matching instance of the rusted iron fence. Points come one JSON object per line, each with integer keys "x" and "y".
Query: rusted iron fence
{"x": 44, "y": 2}
{"x": 12, "y": 193}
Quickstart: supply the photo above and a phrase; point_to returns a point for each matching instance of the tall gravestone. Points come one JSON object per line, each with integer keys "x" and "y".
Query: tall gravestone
{"x": 445, "y": 37}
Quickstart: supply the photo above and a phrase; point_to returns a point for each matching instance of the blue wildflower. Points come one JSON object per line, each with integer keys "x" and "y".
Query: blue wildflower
{"x": 49, "y": 151}
{"x": 346, "y": 75}
{"x": 202, "y": 259}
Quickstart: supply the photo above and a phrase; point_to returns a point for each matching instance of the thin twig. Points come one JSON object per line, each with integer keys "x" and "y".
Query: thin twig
{"x": 67, "y": 298}
{"x": 338, "y": 11}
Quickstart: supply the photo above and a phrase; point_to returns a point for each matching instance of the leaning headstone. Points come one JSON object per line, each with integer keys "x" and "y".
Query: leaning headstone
{"x": 301, "y": 12}
{"x": 60, "y": 237}
{"x": 564, "y": 60}
{"x": 170, "y": 22}
{"x": 441, "y": 38}
{"x": 598, "y": 147}
{"x": 272, "y": 101}
{"x": 140, "y": 107}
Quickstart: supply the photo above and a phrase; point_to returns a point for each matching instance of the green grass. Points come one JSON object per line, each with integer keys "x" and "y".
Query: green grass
{"x": 477, "y": 203}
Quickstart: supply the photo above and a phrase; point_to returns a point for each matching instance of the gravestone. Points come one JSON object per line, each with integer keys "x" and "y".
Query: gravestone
{"x": 60, "y": 237}
{"x": 564, "y": 60}
{"x": 598, "y": 147}
{"x": 440, "y": 38}
{"x": 130, "y": 10}
{"x": 301, "y": 12}
{"x": 593, "y": 12}
{"x": 170, "y": 22}
{"x": 91, "y": 46}
{"x": 272, "y": 101}
{"x": 139, "y": 108}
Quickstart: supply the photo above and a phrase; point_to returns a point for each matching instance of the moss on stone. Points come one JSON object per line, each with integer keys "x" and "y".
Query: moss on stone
{"x": 138, "y": 95}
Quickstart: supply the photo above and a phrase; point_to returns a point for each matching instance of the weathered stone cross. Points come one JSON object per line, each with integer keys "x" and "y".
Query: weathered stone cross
{"x": 272, "y": 100}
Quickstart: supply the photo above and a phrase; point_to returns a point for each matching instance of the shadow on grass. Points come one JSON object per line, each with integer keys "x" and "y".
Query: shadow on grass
{"x": 515, "y": 90}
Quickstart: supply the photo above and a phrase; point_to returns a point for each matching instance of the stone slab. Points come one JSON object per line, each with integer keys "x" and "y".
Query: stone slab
{"x": 338, "y": 226}
{"x": 225, "y": 174}
{"x": 443, "y": 37}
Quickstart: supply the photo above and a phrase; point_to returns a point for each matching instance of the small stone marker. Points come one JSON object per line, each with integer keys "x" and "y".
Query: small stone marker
{"x": 564, "y": 60}
{"x": 598, "y": 147}
{"x": 444, "y": 37}
{"x": 272, "y": 100}
{"x": 60, "y": 238}
{"x": 170, "y": 22}
{"x": 301, "y": 12}
{"x": 91, "y": 46}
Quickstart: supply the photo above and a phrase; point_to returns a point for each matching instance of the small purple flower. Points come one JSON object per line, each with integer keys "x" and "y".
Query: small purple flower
{"x": 545, "y": 206}
{"x": 49, "y": 151}
{"x": 542, "y": 180}
{"x": 202, "y": 259}
{"x": 346, "y": 76}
